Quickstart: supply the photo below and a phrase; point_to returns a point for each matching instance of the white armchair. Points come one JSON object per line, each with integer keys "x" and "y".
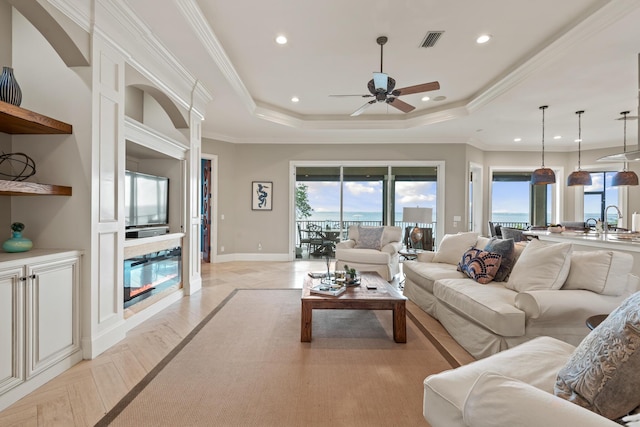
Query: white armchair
{"x": 366, "y": 253}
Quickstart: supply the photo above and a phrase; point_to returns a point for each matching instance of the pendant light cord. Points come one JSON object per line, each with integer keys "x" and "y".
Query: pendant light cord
{"x": 544, "y": 107}
{"x": 624, "y": 139}
{"x": 579, "y": 113}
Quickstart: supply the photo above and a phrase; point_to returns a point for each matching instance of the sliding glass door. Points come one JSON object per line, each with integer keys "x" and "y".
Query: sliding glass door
{"x": 336, "y": 197}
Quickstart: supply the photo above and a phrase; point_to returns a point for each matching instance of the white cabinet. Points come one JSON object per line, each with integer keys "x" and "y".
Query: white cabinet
{"x": 39, "y": 315}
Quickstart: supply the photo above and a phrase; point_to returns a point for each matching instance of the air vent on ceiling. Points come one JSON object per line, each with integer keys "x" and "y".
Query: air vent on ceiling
{"x": 431, "y": 38}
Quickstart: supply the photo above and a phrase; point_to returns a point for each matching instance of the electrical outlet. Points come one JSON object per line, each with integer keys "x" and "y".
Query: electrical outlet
{"x": 222, "y": 217}
{"x": 455, "y": 224}
{"x": 221, "y": 248}
{"x": 259, "y": 246}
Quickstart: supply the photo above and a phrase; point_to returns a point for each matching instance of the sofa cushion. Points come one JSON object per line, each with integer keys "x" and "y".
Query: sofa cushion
{"x": 424, "y": 274}
{"x": 363, "y": 256}
{"x": 541, "y": 266}
{"x": 603, "y": 372}
{"x": 480, "y": 265}
{"x": 453, "y": 246}
{"x": 603, "y": 272}
{"x": 506, "y": 249}
{"x": 369, "y": 238}
{"x": 491, "y": 305}
{"x": 515, "y": 403}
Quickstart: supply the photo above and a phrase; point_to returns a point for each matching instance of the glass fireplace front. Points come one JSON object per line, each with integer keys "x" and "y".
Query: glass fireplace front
{"x": 150, "y": 274}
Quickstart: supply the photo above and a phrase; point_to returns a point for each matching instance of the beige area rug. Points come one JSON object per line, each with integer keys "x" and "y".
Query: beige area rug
{"x": 244, "y": 365}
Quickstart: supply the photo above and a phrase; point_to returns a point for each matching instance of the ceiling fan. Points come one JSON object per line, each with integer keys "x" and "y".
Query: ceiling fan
{"x": 382, "y": 88}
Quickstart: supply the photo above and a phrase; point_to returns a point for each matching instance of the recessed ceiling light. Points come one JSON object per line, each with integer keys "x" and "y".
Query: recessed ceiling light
{"x": 517, "y": 139}
{"x": 281, "y": 39}
{"x": 440, "y": 98}
{"x": 295, "y": 99}
{"x": 483, "y": 38}
{"x": 557, "y": 137}
{"x": 425, "y": 98}
{"x": 577, "y": 140}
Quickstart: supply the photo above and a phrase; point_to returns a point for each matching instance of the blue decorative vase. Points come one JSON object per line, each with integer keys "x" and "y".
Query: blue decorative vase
{"x": 17, "y": 243}
{"x": 10, "y": 91}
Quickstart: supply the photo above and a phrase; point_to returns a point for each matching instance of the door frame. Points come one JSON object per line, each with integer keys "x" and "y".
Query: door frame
{"x": 213, "y": 232}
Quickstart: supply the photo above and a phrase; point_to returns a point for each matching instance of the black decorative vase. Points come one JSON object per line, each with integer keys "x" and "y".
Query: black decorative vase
{"x": 9, "y": 89}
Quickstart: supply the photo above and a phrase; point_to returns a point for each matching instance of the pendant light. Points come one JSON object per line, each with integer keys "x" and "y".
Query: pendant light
{"x": 543, "y": 176}
{"x": 579, "y": 177}
{"x": 624, "y": 177}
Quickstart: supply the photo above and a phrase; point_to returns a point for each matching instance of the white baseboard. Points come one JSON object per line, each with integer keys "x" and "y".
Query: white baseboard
{"x": 253, "y": 257}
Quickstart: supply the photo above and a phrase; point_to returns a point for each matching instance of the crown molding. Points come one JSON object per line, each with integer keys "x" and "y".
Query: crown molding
{"x": 150, "y": 57}
{"x": 195, "y": 18}
{"x": 150, "y": 138}
{"x": 592, "y": 21}
{"x": 79, "y": 13}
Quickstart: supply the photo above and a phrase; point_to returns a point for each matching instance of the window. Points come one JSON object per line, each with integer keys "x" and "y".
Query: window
{"x": 516, "y": 203}
{"x": 598, "y": 196}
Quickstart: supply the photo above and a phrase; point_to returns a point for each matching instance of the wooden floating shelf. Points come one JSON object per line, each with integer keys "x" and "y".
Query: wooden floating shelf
{"x": 16, "y": 120}
{"x": 22, "y": 188}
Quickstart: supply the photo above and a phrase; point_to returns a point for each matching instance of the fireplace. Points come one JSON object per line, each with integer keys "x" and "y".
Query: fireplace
{"x": 151, "y": 273}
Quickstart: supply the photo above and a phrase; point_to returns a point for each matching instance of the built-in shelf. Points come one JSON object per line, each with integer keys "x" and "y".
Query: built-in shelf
{"x": 17, "y": 120}
{"x": 22, "y": 188}
{"x": 20, "y": 121}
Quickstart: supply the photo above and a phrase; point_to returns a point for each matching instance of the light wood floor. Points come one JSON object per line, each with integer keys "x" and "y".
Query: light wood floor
{"x": 84, "y": 393}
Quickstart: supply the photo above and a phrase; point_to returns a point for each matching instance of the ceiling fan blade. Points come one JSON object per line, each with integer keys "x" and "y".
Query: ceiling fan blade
{"x": 425, "y": 87}
{"x": 361, "y": 96}
{"x": 400, "y": 105}
{"x": 364, "y": 107}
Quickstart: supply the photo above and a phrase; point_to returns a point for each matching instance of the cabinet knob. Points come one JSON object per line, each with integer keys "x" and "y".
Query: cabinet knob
{"x": 33, "y": 276}
{"x": 23, "y": 279}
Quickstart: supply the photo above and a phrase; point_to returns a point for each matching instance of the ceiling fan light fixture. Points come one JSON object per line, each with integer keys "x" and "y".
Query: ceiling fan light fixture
{"x": 380, "y": 81}
{"x": 579, "y": 177}
{"x": 542, "y": 175}
{"x": 624, "y": 177}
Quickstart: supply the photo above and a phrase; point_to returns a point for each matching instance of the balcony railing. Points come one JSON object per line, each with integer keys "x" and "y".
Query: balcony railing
{"x": 335, "y": 225}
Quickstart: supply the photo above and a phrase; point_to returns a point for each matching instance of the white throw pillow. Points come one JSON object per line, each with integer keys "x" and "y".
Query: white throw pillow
{"x": 603, "y": 272}
{"x": 453, "y": 246}
{"x": 540, "y": 267}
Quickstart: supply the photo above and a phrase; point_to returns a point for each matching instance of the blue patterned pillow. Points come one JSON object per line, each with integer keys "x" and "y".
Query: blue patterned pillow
{"x": 369, "y": 238}
{"x": 505, "y": 248}
{"x": 480, "y": 265}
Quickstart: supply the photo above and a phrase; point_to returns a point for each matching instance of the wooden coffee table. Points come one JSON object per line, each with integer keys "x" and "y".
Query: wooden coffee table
{"x": 385, "y": 297}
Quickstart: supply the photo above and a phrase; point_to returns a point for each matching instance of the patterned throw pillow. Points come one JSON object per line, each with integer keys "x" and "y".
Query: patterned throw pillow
{"x": 369, "y": 238}
{"x": 506, "y": 248}
{"x": 603, "y": 373}
{"x": 480, "y": 265}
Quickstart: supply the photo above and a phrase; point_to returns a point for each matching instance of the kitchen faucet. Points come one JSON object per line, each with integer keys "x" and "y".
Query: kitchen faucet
{"x": 606, "y": 221}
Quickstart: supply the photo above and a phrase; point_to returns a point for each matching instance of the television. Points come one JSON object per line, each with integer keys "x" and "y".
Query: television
{"x": 146, "y": 200}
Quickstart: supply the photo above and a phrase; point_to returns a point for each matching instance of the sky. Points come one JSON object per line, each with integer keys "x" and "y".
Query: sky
{"x": 366, "y": 196}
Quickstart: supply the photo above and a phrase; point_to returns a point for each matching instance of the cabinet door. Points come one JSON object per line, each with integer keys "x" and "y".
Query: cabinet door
{"x": 53, "y": 331}
{"x": 11, "y": 328}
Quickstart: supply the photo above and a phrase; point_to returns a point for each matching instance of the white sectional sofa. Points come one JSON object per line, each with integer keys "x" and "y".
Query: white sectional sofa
{"x": 551, "y": 291}
{"x": 547, "y": 382}
{"x": 511, "y": 388}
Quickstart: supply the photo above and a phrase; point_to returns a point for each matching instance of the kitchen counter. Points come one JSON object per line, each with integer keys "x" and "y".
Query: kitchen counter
{"x": 619, "y": 241}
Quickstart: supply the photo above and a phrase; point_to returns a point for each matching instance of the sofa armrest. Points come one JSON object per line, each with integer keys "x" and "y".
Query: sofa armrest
{"x": 346, "y": 244}
{"x": 495, "y": 397}
{"x": 565, "y": 304}
{"x": 391, "y": 247}
{"x": 425, "y": 256}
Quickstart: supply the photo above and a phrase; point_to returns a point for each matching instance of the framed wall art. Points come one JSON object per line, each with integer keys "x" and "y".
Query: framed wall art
{"x": 261, "y": 195}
